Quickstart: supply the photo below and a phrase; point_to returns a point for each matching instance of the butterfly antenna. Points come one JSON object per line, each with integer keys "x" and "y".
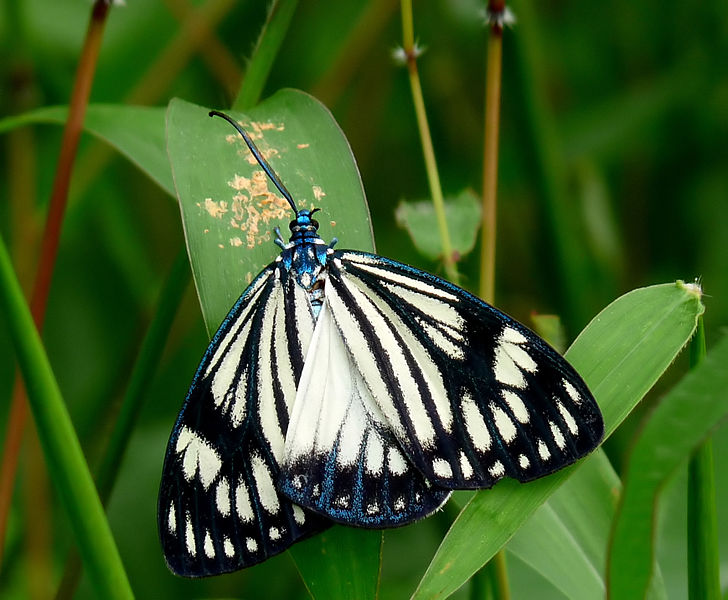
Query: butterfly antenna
{"x": 259, "y": 157}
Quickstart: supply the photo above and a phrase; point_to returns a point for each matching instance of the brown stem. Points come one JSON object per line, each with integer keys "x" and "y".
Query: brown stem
{"x": 49, "y": 244}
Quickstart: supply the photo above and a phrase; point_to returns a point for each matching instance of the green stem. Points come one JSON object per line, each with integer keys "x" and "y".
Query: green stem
{"x": 149, "y": 354}
{"x": 433, "y": 177}
{"x": 266, "y": 50}
{"x": 51, "y": 237}
{"x": 493, "y": 78}
{"x": 64, "y": 457}
{"x": 703, "y": 556}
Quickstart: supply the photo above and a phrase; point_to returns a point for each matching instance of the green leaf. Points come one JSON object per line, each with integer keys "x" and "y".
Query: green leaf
{"x": 342, "y": 562}
{"x": 620, "y": 354}
{"x": 67, "y": 466}
{"x": 137, "y": 132}
{"x": 682, "y": 420}
{"x": 229, "y": 239}
{"x": 229, "y": 234}
{"x": 463, "y": 220}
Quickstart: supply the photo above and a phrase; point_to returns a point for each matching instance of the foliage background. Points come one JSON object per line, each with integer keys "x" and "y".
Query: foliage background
{"x": 636, "y": 112}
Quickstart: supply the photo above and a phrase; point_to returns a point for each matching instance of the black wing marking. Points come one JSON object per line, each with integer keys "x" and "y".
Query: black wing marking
{"x": 219, "y": 509}
{"x": 341, "y": 459}
{"x": 470, "y": 394}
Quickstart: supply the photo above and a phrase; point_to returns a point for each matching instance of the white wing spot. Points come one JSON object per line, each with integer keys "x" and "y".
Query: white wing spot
{"x": 172, "y": 519}
{"x": 274, "y": 534}
{"x": 543, "y": 450}
{"x": 506, "y": 427}
{"x": 512, "y": 336}
{"x": 373, "y": 508}
{"x": 251, "y": 544}
{"x": 264, "y": 484}
{"x": 228, "y": 547}
{"x": 208, "y": 546}
{"x": 505, "y": 368}
{"x": 570, "y": 422}
{"x": 474, "y": 423}
{"x": 222, "y": 497}
{"x": 242, "y": 503}
{"x": 343, "y": 501}
{"x": 523, "y": 461}
{"x": 374, "y": 454}
{"x": 298, "y": 515}
{"x": 558, "y": 436}
{"x": 465, "y": 467}
{"x": 190, "y": 542}
{"x": 197, "y": 456}
{"x": 399, "y": 504}
{"x": 571, "y": 390}
{"x": 521, "y": 357}
{"x": 497, "y": 470}
{"x": 396, "y": 462}
{"x": 518, "y": 408}
{"x": 442, "y": 468}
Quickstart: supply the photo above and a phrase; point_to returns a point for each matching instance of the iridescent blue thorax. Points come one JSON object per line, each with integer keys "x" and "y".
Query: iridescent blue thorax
{"x": 305, "y": 255}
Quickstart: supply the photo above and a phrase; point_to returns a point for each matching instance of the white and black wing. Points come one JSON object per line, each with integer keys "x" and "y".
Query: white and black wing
{"x": 219, "y": 508}
{"x": 341, "y": 459}
{"x": 470, "y": 395}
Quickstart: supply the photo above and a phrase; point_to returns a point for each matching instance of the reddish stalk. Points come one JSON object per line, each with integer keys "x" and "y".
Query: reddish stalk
{"x": 49, "y": 245}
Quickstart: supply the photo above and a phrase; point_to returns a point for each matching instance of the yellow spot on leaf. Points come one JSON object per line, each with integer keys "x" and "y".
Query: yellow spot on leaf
{"x": 318, "y": 193}
{"x": 215, "y": 209}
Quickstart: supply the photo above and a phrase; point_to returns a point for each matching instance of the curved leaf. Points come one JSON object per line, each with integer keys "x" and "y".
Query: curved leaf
{"x": 620, "y": 354}
{"x": 682, "y": 420}
{"x": 228, "y": 229}
{"x": 137, "y": 132}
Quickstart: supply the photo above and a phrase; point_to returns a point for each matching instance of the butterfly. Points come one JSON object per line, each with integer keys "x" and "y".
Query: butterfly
{"x": 347, "y": 387}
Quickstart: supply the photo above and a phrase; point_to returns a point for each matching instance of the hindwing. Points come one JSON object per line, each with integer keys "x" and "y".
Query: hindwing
{"x": 219, "y": 507}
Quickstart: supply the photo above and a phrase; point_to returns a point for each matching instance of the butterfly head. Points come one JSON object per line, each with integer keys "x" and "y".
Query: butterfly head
{"x": 304, "y": 225}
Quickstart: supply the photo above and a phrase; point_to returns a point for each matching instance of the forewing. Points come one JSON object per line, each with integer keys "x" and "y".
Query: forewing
{"x": 341, "y": 459}
{"x": 219, "y": 509}
{"x": 471, "y": 395}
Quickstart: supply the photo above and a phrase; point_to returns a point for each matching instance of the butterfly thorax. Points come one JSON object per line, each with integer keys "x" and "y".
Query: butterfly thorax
{"x": 304, "y": 256}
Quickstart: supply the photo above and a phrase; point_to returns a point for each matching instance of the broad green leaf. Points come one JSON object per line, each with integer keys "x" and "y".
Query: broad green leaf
{"x": 564, "y": 541}
{"x": 463, "y": 220}
{"x": 338, "y": 563}
{"x": 229, "y": 208}
{"x": 682, "y": 420}
{"x": 137, "y": 132}
{"x": 620, "y": 354}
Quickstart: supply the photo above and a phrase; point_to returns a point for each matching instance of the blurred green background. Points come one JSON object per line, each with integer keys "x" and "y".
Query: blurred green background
{"x": 613, "y": 146}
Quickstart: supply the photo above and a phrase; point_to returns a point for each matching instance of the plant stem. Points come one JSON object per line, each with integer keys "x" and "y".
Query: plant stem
{"x": 64, "y": 457}
{"x": 266, "y": 50}
{"x": 496, "y": 8}
{"x": 49, "y": 245}
{"x": 703, "y": 556}
{"x": 148, "y": 358}
{"x": 433, "y": 177}
{"x": 490, "y": 156}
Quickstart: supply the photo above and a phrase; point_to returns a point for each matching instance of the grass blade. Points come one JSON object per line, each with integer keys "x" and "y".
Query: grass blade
{"x": 678, "y": 425}
{"x": 66, "y": 464}
{"x": 620, "y": 354}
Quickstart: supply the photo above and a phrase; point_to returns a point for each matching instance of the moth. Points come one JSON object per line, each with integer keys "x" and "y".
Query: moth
{"x": 348, "y": 387}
